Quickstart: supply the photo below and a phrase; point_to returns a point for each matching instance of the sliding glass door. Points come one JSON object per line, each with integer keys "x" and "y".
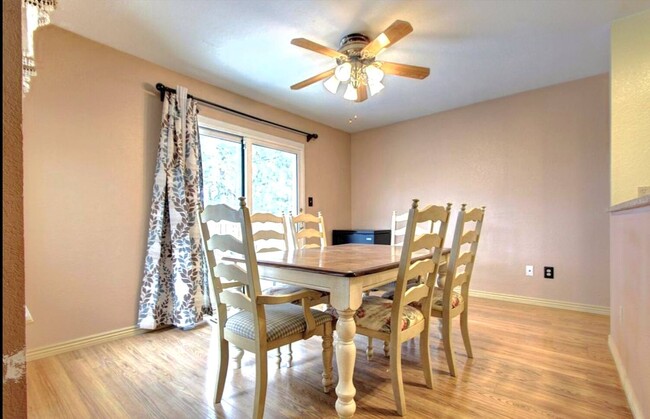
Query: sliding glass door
{"x": 267, "y": 170}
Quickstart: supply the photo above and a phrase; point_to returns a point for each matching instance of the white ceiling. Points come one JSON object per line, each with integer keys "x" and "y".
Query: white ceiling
{"x": 476, "y": 49}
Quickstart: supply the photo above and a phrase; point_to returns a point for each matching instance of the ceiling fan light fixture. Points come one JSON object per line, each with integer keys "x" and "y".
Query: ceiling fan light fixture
{"x": 374, "y": 74}
{"x": 343, "y": 71}
{"x": 356, "y": 63}
{"x": 375, "y": 87}
{"x": 350, "y": 93}
{"x": 332, "y": 84}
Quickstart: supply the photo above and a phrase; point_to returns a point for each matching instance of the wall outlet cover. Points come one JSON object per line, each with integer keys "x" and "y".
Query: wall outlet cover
{"x": 529, "y": 270}
{"x": 549, "y": 272}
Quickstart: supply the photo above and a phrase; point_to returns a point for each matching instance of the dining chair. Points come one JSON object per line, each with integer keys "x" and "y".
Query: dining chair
{"x": 269, "y": 232}
{"x": 398, "y": 320}
{"x": 447, "y": 302}
{"x": 397, "y": 232}
{"x": 398, "y": 228}
{"x": 308, "y": 231}
{"x": 258, "y": 322}
{"x": 270, "y": 235}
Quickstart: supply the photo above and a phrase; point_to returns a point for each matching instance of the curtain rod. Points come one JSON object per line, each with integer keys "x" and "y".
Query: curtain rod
{"x": 162, "y": 89}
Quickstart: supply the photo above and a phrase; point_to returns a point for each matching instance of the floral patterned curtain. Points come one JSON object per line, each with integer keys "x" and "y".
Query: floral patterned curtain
{"x": 175, "y": 283}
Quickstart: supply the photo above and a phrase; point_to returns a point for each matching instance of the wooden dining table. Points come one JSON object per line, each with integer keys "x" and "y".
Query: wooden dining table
{"x": 345, "y": 271}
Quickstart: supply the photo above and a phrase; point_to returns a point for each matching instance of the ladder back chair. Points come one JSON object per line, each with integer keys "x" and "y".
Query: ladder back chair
{"x": 259, "y": 322}
{"x": 398, "y": 228}
{"x": 398, "y": 320}
{"x": 269, "y": 232}
{"x": 308, "y": 231}
{"x": 270, "y": 235}
{"x": 447, "y": 302}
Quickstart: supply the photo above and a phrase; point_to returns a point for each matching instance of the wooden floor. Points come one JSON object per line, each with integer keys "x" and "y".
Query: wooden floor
{"x": 529, "y": 362}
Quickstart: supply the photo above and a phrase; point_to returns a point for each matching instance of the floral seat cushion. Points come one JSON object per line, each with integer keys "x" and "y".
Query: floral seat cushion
{"x": 436, "y": 303}
{"x": 282, "y": 320}
{"x": 375, "y": 312}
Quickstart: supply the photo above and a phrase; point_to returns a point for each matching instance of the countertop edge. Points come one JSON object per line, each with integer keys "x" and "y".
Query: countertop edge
{"x": 642, "y": 201}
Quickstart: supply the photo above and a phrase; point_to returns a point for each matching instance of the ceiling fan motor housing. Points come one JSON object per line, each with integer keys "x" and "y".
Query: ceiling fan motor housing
{"x": 352, "y": 44}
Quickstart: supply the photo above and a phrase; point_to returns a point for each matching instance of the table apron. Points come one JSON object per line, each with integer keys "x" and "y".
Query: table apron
{"x": 346, "y": 292}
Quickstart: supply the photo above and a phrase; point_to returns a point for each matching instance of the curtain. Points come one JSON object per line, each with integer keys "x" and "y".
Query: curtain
{"x": 175, "y": 283}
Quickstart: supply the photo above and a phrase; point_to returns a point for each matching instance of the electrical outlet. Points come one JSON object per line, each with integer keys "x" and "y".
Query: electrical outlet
{"x": 310, "y": 201}
{"x": 549, "y": 272}
{"x": 529, "y": 270}
{"x": 28, "y": 316}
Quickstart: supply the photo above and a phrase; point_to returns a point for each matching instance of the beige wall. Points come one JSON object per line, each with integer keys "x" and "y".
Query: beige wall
{"x": 14, "y": 394}
{"x": 91, "y": 130}
{"x": 630, "y": 317}
{"x": 630, "y": 230}
{"x": 538, "y": 160}
{"x": 630, "y": 80}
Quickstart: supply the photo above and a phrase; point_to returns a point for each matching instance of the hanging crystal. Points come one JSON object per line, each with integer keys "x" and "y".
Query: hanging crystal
{"x": 36, "y": 13}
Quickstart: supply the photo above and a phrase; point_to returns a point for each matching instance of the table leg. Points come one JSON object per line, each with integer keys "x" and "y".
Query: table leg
{"x": 345, "y": 357}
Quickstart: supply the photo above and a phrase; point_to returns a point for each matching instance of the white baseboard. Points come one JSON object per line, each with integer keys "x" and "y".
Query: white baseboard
{"x": 72, "y": 345}
{"x": 541, "y": 302}
{"x": 627, "y": 387}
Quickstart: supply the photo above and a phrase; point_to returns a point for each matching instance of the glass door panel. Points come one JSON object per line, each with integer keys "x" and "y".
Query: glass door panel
{"x": 222, "y": 160}
{"x": 274, "y": 180}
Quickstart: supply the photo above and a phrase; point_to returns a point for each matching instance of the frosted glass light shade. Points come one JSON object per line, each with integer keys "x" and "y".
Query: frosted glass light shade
{"x": 332, "y": 84}
{"x": 343, "y": 71}
{"x": 350, "y": 93}
{"x": 374, "y": 74}
{"x": 375, "y": 87}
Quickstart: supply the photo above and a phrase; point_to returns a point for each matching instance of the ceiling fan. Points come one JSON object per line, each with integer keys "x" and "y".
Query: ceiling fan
{"x": 356, "y": 63}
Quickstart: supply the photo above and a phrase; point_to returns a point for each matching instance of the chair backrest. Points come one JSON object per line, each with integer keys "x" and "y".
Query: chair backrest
{"x": 398, "y": 228}
{"x": 463, "y": 252}
{"x": 269, "y": 232}
{"x": 425, "y": 269}
{"x": 308, "y": 231}
{"x": 232, "y": 285}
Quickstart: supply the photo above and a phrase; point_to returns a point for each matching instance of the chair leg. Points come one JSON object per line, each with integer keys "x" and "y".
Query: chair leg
{"x": 396, "y": 378}
{"x": 446, "y": 339}
{"x": 222, "y": 368}
{"x": 239, "y": 353}
{"x": 465, "y": 331}
{"x": 386, "y": 348}
{"x": 290, "y": 357}
{"x": 328, "y": 337}
{"x": 369, "y": 349}
{"x": 278, "y": 358}
{"x": 260, "y": 384}
{"x": 425, "y": 357}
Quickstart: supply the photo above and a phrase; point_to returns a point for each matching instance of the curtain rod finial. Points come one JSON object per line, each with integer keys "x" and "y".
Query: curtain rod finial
{"x": 311, "y": 137}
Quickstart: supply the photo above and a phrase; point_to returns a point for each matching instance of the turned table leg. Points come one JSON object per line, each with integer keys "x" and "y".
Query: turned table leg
{"x": 345, "y": 358}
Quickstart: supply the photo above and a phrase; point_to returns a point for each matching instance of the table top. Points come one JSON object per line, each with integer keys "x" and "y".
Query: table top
{"x": 347, "y": 260}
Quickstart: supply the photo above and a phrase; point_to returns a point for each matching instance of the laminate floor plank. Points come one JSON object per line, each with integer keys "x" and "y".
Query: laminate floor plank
{"x": 529, "y": 361}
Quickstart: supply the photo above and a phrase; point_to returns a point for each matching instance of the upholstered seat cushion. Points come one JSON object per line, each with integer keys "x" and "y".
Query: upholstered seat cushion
{"x": 282, "y": 320}
{"x": 436, "y": 303}
{"x": 375, "y": 312}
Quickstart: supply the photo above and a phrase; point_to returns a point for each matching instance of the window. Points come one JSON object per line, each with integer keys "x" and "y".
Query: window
{"x": 267, "y": 170}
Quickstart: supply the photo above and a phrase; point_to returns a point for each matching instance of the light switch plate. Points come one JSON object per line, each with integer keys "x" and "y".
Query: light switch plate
{"x": 529, "y": 270}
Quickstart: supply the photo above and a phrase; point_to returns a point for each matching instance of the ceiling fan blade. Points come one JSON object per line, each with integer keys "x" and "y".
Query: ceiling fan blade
{"x": 312, "y": 80}
{"x": 398, "y": 30}
{"x": 362, "y": 93}
{"x": 313, "y": 46}
{"x": 405, "y": 70}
